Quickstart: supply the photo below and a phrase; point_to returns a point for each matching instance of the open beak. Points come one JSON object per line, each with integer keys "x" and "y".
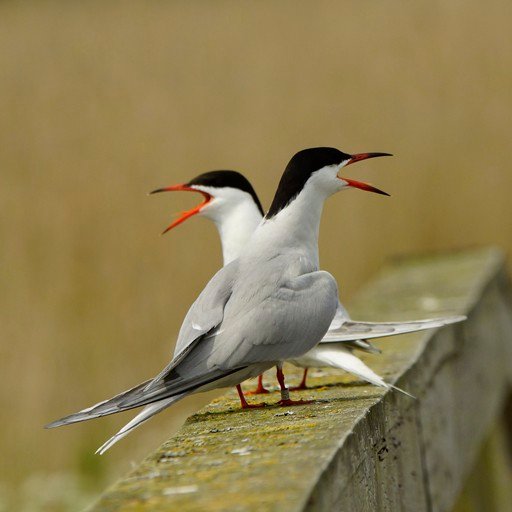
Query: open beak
{"x": 364, "y": 186}
{"x": 359, "y": 184}
{"x": 189, "y": 213}
{"x": 364, "y": 156}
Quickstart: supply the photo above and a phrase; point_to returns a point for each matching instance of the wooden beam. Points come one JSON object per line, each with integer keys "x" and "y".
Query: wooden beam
{"x": 358, "y": 448}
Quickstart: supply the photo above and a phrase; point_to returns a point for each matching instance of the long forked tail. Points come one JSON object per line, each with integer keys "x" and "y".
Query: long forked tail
{"x": 148, "y": 412}
{"x": 343, "y": 359}
{"x": 141, "y": 395}
{"x": 351, "y": 330}
{"x": 103, "y": 408}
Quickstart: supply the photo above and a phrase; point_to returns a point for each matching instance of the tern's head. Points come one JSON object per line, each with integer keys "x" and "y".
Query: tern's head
{"x": 223, "y": 191}
{"x": 318, "y": 169}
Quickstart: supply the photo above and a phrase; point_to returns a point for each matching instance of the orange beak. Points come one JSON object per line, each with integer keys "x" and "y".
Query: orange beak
{"x": 359, "y": 184}
{"x": 358, "y": 157}
{"x": 189, "y": 213}
{"x": 364, "y": 186}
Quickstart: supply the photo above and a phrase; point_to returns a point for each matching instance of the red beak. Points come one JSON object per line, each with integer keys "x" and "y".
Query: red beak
{"x": 189, "y": 213}
{"x": 364, "y": 186}
{"x": 364, "y": 156}
{"x": 359, "y": 184}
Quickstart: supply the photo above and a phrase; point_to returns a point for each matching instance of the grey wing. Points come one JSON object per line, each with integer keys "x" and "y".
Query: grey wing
{"x": 103, "y": 408}
{"x": 339, "y": 319}
{"x": 287, "y": 323}
{"x": 362, "y": 345}
{"x": 203, "y": 317}
{"x": 179, "y": 379}
{"x": 352, "y": 330}
{"x": 207, "y": 311}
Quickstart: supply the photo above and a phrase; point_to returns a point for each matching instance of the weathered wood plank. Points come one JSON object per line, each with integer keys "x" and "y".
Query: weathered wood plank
{"x": 358, "y": 448}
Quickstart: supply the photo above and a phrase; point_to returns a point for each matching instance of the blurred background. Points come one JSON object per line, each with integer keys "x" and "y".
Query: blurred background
{"x": 102, "y": 102}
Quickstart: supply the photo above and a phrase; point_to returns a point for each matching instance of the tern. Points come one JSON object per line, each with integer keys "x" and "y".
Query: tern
{"x": 232, "y": 204}
{"x": 269, "y": 305}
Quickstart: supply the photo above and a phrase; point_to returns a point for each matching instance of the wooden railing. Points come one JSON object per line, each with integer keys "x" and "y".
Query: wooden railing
{"x": 357, "y": 448}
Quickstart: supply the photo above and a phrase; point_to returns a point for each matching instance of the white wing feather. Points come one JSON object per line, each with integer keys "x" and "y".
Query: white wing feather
{"x": 339, "y": 357}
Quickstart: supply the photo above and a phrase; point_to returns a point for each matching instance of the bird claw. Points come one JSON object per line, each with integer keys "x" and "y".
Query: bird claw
{"x": 290, "y": 402}
{"x": 254, "y": 406}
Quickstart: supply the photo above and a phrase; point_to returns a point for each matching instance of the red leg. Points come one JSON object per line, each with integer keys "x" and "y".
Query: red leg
{"x": 243, "y": 401}
{"x": 260, "y": 390}
{"x": 302, "y": 384}
{"x": 285, "y": 395}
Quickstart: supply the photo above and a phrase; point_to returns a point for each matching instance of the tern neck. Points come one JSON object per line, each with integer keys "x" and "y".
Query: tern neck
{"x": 297, "y": 226}
{"x": 236, "y": 228}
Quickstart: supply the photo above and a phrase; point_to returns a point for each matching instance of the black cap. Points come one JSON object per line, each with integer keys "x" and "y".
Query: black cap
{"x": 298, "y": 171}
{"x": 226, "y": 178}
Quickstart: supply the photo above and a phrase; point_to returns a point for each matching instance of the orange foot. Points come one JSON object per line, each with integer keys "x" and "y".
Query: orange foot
{"x": 243, "y": 401}
{"x": 290, "y": 402}
{"x": 253, "y": 406}
{"x": 302, "y": 384}
{"x": 260, "y": 389}
{"x": 257, "y": 391}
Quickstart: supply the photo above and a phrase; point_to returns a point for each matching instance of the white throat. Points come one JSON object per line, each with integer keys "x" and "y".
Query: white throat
{"x": 236, "y": 217}
{"x": 236, "y": 228}
{"x": 296, "y": 227}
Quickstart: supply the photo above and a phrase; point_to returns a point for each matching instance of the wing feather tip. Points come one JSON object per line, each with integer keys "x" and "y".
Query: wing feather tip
{"x": 456, "y": 318}
{"x": 396, "y": 388}
{"x": 56, "y": 424}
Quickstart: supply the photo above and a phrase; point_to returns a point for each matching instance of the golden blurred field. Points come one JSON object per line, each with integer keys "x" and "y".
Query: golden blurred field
{"x": 101, "y": 102}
